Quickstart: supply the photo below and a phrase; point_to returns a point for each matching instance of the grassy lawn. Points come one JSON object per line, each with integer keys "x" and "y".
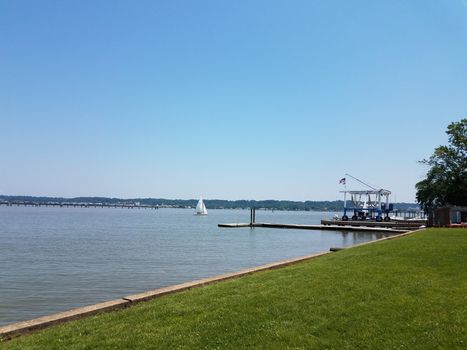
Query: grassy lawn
{"x": 407, "y": 293}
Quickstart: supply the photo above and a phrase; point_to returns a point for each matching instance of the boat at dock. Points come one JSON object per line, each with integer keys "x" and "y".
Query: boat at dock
{"x": 201, "y": 208}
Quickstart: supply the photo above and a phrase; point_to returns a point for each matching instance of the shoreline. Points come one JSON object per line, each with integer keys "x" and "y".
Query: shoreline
{"x": 23, "y": 327}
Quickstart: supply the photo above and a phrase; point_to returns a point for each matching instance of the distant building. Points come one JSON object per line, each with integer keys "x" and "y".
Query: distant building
{"x": 451, "y": 216}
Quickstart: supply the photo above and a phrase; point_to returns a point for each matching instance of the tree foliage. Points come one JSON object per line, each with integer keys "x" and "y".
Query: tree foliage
{"x": 446, "y": 180}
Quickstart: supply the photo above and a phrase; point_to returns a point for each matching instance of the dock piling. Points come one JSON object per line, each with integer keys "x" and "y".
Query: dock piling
{"x": 252, "y": 216}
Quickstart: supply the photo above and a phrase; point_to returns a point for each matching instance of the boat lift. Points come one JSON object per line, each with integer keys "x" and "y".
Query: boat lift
{"x": 370, "y": 204}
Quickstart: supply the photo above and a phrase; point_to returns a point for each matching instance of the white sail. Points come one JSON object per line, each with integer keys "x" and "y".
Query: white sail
{"x": 201, "y": 208}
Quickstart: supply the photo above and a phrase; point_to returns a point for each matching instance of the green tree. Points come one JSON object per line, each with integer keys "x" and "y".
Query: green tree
{"x": 446, "y": 180}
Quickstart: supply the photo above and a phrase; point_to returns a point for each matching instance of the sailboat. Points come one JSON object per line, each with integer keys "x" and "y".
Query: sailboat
{"x": 201, "y": 208}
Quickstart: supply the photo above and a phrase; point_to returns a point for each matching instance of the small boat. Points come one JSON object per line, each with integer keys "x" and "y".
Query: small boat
{"x": 201, "y": 208}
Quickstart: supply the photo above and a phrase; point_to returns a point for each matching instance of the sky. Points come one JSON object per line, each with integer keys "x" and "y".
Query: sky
{"x": 226, "y": 99}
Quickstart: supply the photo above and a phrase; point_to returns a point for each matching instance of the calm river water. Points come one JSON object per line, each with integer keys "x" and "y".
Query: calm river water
{"x": 55, "y": 259}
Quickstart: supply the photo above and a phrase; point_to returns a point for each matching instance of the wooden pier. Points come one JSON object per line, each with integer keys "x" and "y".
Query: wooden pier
{"x": 77, "y": 205}
{"x": 395, "y": 224}
{"x": 315, "y": 227}
{"x": 337, "y": 225}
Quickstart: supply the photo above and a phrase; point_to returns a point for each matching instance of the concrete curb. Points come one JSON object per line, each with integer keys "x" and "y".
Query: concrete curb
{"x": 16, "y": 329}
{"x": 24, "y": 327}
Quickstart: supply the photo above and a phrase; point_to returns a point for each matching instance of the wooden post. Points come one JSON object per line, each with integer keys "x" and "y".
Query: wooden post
{"x": 252, "y": 216}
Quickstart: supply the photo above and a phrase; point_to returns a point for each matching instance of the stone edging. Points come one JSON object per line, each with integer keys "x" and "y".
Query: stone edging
{"x": 19, "y": 328}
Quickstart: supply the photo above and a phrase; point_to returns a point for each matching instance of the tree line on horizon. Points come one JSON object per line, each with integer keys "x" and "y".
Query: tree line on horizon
{"x": 336, "y": 205}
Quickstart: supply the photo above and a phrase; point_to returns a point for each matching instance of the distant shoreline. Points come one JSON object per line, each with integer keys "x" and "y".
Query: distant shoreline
{"x": 284, "y": 205}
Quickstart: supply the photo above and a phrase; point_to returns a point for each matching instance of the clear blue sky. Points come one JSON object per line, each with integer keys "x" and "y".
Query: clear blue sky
{"x": 226, "y": 99}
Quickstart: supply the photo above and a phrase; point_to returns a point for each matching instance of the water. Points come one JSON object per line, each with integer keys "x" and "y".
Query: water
{"x": 55, "y": 259}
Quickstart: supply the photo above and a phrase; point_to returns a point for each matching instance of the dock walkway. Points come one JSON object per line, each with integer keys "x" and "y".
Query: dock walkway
{"x": 316, "y": 227}
{"x": 399, "y": 224}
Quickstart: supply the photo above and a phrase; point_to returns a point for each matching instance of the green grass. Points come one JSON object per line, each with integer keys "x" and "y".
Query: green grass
{"x": 407, "y": 293}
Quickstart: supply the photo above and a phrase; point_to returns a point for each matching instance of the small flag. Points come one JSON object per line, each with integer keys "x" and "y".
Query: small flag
{"x": 342, "y": 181}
